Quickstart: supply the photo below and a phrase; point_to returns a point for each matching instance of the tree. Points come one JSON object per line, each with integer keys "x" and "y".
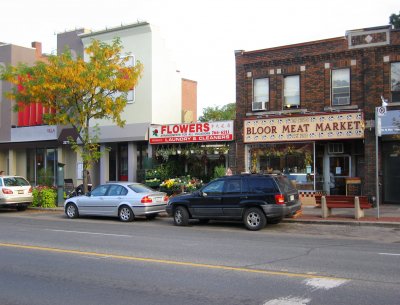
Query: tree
{"x": 78, "y": 91}
{"x": 395, "y": 20}
{"x": 226, "y": 112}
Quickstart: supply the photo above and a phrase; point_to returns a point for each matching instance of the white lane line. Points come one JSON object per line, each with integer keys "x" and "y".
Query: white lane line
{"x": 325, "y": 283}
{"x": 91, "y": 233}
{"x": 288, "y": 301}
{"x": 394, "y": 254}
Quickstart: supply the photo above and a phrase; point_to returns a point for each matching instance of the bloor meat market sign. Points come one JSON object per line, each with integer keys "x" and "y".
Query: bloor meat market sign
{"x": 334, "y": 126}
{"x": 193, "y": 132}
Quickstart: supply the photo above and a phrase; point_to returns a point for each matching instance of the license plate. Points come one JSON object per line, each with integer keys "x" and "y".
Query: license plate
{"x": 20, "y": 192}
{"x": 291, "y": 197}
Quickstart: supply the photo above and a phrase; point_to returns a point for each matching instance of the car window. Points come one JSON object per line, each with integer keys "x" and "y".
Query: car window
{"x": 1, "y": 182}
{"x": 214, "y": 187}
{"x": 261, "y": 185}
{"x": 100, "y": 190}
{"x": 15, "y": 181}
{"x": 284, "y": 184}
{"x": 140, "y": 188}
{"x": 233, "y": 186}
{"x": 116, "y": 190}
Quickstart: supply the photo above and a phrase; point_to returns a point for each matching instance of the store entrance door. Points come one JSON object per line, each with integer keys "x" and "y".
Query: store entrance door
{"x": 391, "y": 172}
{"x": 339, "y": 170}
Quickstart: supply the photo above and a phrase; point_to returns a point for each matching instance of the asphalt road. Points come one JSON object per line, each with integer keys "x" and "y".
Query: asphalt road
{"x": 46, "y": 258}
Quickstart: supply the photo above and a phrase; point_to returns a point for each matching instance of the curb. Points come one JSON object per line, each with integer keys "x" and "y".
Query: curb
{"x": 344, "y": 222}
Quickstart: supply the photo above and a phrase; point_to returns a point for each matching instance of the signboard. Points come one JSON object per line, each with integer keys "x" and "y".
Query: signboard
{"x": 388, "y": 122}
{"x": 305, "y": 128}
{"x": 193, "y": 132}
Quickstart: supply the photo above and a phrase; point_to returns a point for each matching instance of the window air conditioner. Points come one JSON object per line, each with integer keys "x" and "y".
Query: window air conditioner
{"x": 343, "y": 100}
{"x": 259, "y": 105}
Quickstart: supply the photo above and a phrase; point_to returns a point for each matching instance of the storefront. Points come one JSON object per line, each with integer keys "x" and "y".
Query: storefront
{"x": 194, "y": 149}
{"x": 389, "y": 123}
{"x": 317, "y": 152}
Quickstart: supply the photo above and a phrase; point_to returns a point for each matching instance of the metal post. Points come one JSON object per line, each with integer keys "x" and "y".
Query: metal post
{"x": 377, "y": 172}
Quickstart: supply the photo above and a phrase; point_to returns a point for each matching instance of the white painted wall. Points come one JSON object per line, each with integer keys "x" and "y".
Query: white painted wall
{"x": 158, "y": 94}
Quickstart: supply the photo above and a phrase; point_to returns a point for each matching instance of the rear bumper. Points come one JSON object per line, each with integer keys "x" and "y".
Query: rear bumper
{"x": 276, "y": 210}
{"x": 16, "y": 200}
{"x": 148, "y": 209}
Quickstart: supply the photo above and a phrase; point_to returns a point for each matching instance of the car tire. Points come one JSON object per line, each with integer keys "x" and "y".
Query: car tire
{"x": 254, "y": 219}
{"x": 151, "y": 216}
{"x": 181, "y": 216}
{"x": 21, "y": 208}
{"x": 125, "y": 214}
{"x": 71, "y": 210}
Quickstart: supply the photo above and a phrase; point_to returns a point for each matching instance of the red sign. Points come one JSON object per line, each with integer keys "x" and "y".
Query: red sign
{"x": 193, "y": 132}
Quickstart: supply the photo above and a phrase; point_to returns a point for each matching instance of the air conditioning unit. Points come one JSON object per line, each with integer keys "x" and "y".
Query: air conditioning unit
{"x": 259, "y": 106}
{"x": 335, "y": 148}
{"x": 342, "y": 100}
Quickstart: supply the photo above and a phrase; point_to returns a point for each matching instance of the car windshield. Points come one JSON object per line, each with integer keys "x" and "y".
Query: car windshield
{"x": 15, "y": 181}
{"x": 284, "y": 184}
{"x": 140, "y": 188}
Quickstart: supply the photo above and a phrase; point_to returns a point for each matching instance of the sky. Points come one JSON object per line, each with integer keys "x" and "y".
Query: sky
{"x": 202, "y": 35}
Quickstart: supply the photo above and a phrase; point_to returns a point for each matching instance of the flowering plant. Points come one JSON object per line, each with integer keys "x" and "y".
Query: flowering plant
{"x": 44, "y": 196}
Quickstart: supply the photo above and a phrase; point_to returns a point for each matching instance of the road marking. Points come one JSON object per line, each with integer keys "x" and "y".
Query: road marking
{"x": 288, "y": 301}
{"x": 325, "y": 283}
{"x": 394, "y": 254}
{"x": 169, "y": 262}
{"x": 92, "y": 233}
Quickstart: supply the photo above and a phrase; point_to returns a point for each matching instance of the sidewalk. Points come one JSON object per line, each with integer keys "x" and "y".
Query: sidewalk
{"x": 389, "y": 216}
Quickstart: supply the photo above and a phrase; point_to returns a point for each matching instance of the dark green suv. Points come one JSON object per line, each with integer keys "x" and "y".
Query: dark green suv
{"x": 255, "y": 199}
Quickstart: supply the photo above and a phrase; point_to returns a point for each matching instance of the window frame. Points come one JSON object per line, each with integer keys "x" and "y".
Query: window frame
{"x": 395, "y": 97}
{"x": 286, "y": 105}
{"x": 340, "y": 87}
{"x": 265, "y": 103}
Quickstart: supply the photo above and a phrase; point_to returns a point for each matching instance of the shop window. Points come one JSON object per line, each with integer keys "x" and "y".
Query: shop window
{"x": 395, "y": 81}
{"x": 340, "y": 87}
{"x": 291, "y": 92}
{"x": 260, "y": 94}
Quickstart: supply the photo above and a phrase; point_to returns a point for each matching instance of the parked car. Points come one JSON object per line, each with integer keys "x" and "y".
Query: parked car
{"x": 15, "y": 192}
{"x": 254, "y": 199}
{"x": 120, "y": 199}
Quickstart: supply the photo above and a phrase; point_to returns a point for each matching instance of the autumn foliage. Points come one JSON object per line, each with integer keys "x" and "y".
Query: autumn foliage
{"x": 78, "y": 90}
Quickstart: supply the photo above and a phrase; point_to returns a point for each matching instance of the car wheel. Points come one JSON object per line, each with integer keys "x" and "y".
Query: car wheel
{"x": 71, "y": 210}
{"x": 125, "y": 214}
{"x": 181, "y": 216}
{"x": 21, "y": 208}
{"x": 254, "y": 219}
{"x": 151, "y": 216}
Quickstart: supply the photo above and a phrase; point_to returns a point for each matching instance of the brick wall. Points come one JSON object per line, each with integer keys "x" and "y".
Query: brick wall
{"x": 314, "y": 61}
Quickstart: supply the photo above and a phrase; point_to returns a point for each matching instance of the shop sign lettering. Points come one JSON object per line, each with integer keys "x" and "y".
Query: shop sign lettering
{"x": 305, "y": 128}
{"x": 194, "y": 132}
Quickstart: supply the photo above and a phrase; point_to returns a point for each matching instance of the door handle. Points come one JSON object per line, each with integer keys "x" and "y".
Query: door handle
{"x": 243, "y": 197}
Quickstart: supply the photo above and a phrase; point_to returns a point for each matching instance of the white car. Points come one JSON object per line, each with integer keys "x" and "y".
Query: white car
{"x": 120, "y": 199}
{"x": 15, "y": 192}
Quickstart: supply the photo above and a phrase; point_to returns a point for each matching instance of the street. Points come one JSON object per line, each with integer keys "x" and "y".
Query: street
{"x": 46, "y": 258}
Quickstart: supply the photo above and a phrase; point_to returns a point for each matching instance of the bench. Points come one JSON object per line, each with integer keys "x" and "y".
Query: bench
{"x": 329, "y": 202}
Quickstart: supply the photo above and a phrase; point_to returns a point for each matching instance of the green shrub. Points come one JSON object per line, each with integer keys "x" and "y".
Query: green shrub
{"x": 44, "y": 196}
{"x": 219, "y": 171}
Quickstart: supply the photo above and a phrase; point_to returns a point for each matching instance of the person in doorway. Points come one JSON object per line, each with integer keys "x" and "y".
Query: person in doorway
{"x": 332, "y": 184}
{"x": 89, "y": 181}
{"x": 228, "y": 172}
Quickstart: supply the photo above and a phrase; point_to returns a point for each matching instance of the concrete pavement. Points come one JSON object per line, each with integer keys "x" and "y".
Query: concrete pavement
{"x": 389, "y": 216}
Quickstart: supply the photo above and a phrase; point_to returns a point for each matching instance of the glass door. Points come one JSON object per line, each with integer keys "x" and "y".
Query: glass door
{"x": 339, "y": 170}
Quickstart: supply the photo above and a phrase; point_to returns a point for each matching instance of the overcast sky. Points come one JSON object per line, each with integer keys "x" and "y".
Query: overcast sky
{"x": 201, "y": 34}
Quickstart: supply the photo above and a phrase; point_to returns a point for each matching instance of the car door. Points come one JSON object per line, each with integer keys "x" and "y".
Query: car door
{"x": 209, "y": 203}
{"x": 232, "y": 196}
{"x": 95, "y": 202}
{"x": 114, "y": 196}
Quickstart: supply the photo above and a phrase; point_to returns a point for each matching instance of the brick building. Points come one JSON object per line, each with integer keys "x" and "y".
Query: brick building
{"x": 308, "y": 110}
